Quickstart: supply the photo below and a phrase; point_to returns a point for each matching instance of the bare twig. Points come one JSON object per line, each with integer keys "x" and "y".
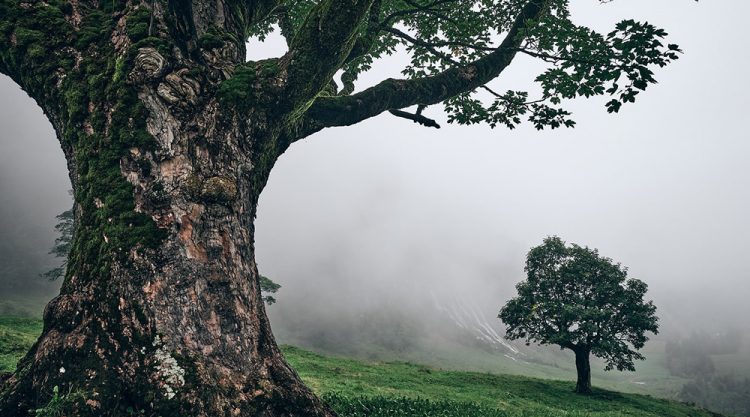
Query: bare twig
{"x": 416, "y": 117}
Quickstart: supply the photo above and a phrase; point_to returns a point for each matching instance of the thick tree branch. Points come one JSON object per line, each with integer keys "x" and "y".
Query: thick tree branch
{"x": 361, "y": 47}
{"x": 232, "y": 15}
{"x": 320, "y": 47}
{"x": 34, "y": 40}
{"x": 199, "y": 23}
{"x": 397, "y": 94}
{"x": 364, "y": 43}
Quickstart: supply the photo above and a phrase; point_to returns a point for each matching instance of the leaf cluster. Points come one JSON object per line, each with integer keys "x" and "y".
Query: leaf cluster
{"x": 586, "y": 63}
{"x": 268, "y": 287}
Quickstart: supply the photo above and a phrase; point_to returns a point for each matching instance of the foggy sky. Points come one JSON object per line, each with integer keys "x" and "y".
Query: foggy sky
{"x": 389, "y": 213}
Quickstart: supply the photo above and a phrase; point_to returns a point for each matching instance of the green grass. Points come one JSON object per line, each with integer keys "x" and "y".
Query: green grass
{"x": 652, "y": 376}
{"x": 347, "y": 382}
{"x": 356, "y": 388}
{"x": 16, "y": 337}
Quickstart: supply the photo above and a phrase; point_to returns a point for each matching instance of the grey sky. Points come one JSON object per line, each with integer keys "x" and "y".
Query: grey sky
{"x": 660, "y": 187}
{"x": 388, "y": 211}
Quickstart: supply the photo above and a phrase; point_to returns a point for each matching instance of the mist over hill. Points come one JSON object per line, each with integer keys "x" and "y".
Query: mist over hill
{"x": 395, "y": 242}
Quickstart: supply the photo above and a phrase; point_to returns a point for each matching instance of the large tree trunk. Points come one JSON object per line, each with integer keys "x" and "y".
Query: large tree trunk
{"x": 160, "y": 313}
{"x": 583, "y": 367}
{"x": 161, "y": 308}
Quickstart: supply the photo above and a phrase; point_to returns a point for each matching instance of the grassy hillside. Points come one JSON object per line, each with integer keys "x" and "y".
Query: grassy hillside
{"x": 652, "y": 376}
{"x": 16, "y": 337}
{"x": 350, "y": 385}
{"x": 397, "y": 389}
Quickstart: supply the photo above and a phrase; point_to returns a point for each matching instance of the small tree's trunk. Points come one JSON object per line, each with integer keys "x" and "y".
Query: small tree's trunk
{"x": 583, "y": 367}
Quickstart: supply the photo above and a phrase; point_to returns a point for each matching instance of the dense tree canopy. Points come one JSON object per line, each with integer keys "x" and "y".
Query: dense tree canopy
{"x": 579, "y": 300}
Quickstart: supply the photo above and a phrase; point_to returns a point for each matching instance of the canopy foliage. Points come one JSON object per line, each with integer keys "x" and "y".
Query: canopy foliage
{"x": 457, "y": 48}
{"x": 577, "y": 299}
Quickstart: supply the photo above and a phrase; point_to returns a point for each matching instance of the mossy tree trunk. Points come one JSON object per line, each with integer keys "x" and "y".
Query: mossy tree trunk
{"x": 170, "y": 137}
{"x": 160, "y": 312}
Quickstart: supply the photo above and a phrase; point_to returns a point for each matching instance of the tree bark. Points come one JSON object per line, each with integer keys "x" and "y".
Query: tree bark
{"x": 174, "y": 324}
{"x": 583, "y": 367}
{"x": 160, "y": 312}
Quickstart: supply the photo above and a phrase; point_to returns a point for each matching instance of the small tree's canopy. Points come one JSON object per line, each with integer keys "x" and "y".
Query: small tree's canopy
{"x": 65, "y": 227}
{"x": 268, "y": 287}
{"x": 577, "y": 299}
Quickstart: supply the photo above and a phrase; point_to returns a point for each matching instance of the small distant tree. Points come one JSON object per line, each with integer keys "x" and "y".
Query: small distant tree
{"x": 65, "y": 227}
{"x": 581, "y": 301}
{"x": 268, "y": 287}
